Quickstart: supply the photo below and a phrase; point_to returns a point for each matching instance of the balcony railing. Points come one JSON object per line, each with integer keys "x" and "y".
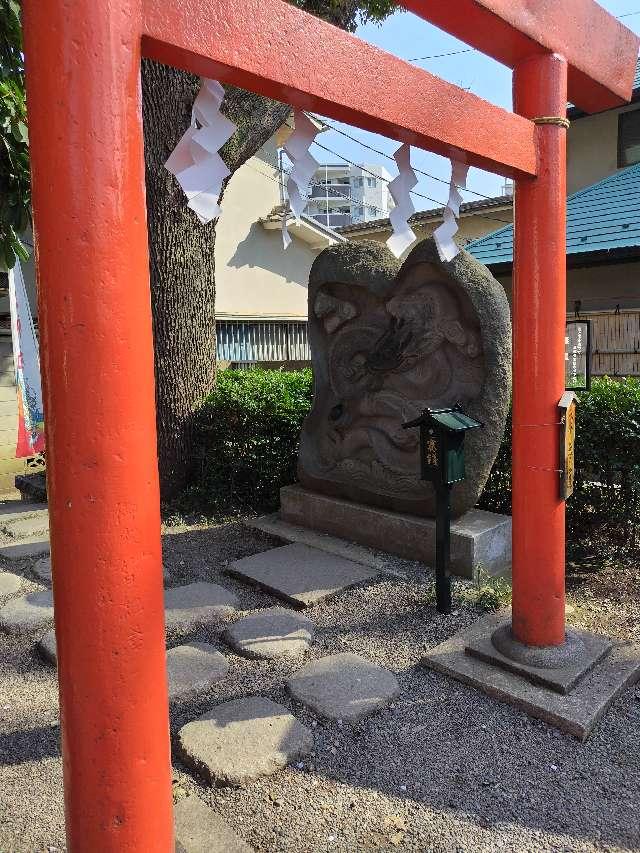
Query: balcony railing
{"x": 330, "y": 191}
{"x": 336, "y": 220}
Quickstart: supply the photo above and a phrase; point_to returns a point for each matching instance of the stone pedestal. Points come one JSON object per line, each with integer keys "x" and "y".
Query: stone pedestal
{"x": 478, "y": 538}
{"x": 572, "y": 696}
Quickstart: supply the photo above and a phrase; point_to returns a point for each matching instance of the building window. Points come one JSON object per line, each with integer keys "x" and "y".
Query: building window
{"x": 372, "y": 211}
{"x": 628, "y": 138}
{"x": 357, "y": 182}
{"x": 246, "y": 342}
{"x": 371, "y": 182}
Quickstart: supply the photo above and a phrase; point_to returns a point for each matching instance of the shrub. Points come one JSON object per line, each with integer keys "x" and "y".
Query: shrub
{"x": 607, "y": 453}
{"x": 247, "y": 432}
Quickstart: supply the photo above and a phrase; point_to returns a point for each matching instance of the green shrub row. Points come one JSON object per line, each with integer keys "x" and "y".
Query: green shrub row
{"x": 607, "y": 454}
{"x": 247, "y": 435}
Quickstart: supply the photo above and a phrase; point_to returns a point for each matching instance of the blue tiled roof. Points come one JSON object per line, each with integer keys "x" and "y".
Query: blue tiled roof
{"x": 601, "y": 217}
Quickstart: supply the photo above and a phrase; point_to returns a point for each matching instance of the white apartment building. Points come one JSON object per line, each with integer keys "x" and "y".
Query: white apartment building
{"x": 340, "y": 194}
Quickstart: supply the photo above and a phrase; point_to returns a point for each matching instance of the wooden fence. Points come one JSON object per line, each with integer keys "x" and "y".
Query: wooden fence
{"x": 615, "y": 343}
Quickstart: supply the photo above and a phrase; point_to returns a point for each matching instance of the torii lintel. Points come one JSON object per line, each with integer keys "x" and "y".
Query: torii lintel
{"x": 600, "y": 51}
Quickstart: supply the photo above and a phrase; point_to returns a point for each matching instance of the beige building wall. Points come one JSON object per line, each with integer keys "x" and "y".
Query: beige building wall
{"x": 587, "y": 284}
{"x": 255, "y": 277}
{"x": 592, "y": 148}
{"x": 471, "y": 227}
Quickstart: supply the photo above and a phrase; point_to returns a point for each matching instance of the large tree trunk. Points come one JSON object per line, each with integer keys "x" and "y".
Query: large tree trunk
{"x": 182, "y": 261}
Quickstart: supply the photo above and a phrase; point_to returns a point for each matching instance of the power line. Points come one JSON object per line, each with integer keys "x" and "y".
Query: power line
{"x": 341, "y": 196}
{"x": 473, "y": 50}
{"x": 390, "y": 157}
{"x": 441, "y": 55}
{"x": 413, "y": 192}
{"x": 379, "y": 177}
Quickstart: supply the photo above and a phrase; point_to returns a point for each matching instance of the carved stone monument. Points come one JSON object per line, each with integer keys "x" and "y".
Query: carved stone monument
{"x": 387, "y": 341}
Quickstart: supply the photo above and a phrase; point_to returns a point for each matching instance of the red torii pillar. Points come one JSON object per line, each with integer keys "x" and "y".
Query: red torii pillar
{"x": 554, "y": 55}
{"x": 83, "y": 78}
{"x": 83, "y": 60}
{"x": 539, "y": 317}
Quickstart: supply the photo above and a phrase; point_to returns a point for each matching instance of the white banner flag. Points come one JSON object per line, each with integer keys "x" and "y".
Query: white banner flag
{"x": 26, "y": 357}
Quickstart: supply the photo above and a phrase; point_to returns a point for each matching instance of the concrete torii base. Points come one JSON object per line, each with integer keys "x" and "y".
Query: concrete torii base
{"x": 572, "y": 695}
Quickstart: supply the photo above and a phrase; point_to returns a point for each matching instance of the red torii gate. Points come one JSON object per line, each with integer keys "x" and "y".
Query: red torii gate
{"x": 83, "y": 63}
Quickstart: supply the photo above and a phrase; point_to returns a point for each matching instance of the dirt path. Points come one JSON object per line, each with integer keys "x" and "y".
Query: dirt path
{"x": 444, "y": 769}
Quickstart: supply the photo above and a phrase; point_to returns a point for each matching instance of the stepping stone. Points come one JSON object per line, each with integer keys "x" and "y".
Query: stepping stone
{"x": 188, "y": 607}
{"x": 28, "y": 613}
{"x": 198, "y": 829}
{"x": 42, "y": 569}
{"x": 343, "y": 687}
{"x": 272, "y": 633}
{"x": 193, "y": 668}
{"x": 240, "y": 741}
{"x": 29, "y": 526}
{"x": 33, "y": 547}
{"x": 300, "y": 575}
{"x": 47, "y": 647}
{"x": 9, "y": 583}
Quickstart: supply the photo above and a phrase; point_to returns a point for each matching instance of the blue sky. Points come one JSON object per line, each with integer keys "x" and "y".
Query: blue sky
{"x": 407, "y": 36}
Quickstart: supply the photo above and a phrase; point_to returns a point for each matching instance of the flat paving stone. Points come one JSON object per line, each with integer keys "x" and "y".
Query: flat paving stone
{"x": 27, "y": 614}
{"x": 343, "y": 687}
{"x": 300, "y": 575}
{"x": 272, "y": 633}
{"x": 47, "y": 647}
{"x": 198, "y": 829}
{"x": 9, "y": 583}
{"x": 194, "y": 668}
{"x": 32, "y": 547}
{"x": 188, "y": 607}
{"x": 241, "y": 740}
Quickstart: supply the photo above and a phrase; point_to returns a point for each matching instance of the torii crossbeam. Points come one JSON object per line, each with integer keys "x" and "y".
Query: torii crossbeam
{"x": 84, "y": 97}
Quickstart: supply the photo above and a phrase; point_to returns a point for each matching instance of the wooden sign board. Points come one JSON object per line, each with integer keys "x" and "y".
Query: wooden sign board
{"x": 567, "y": 406}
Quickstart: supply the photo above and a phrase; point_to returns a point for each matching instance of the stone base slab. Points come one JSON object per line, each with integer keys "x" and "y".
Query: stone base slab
{"x": 575, "y": 713}
{"x": 478, "y": 538}
{"x": 590, "y": 650}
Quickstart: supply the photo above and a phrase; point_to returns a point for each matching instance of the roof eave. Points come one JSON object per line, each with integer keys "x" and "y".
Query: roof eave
{"x": 575, "y": 260}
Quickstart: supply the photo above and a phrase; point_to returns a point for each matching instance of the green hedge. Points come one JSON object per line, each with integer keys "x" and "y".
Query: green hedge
{"x": 607, "y": 486}
{"x": 247, "y": 434}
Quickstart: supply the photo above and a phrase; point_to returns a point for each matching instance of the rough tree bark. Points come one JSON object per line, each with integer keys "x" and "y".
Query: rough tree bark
{"x": 182, "y": 262}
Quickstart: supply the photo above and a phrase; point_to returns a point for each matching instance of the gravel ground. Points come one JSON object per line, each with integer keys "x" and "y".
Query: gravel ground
{"x": 444, "y": 769}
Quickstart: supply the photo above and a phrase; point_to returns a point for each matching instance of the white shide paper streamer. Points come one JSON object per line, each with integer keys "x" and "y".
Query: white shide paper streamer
{"x": 195, "y": 161}
{"x": 400, "y": 188}
{"x": 304, "y": 167}
{"x": 444, "y": 234}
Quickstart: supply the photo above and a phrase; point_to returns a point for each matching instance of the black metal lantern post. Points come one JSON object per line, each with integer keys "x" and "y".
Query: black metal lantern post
{"x": 442, "y": 433}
